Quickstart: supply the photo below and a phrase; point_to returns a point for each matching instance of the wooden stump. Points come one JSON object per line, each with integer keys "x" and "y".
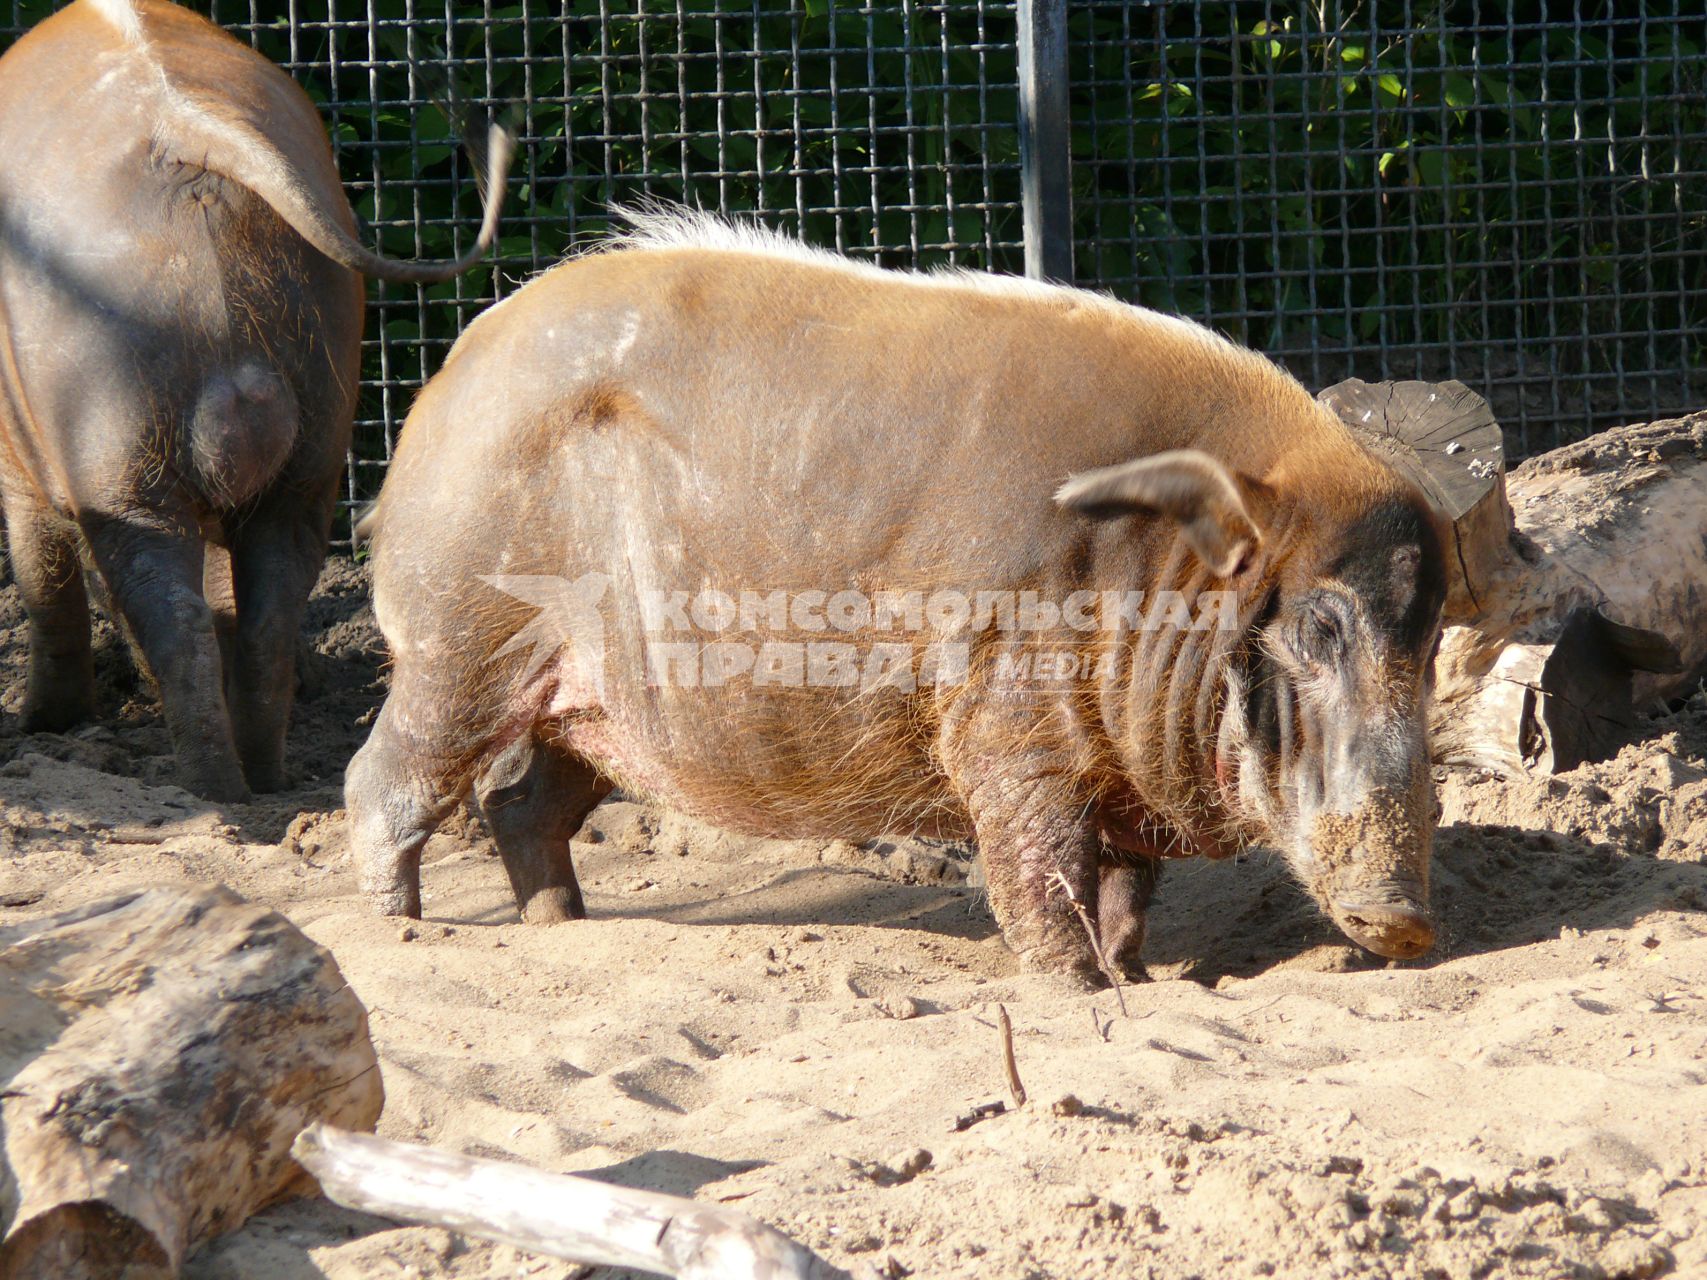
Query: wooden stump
{"x": 1444, "y": 437}
{"x": 159, "y": 1052}
{"x": 1577, "y": 582}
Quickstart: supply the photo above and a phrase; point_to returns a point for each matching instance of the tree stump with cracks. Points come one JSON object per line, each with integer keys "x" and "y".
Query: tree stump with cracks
{"x": 159, "y": 1052}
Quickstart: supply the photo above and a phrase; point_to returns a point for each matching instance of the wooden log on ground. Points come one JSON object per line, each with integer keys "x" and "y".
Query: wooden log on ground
{"x": 1578, "y": 591}
{"x": 576, "y": 1219}
{"x": 159, "y": 1052}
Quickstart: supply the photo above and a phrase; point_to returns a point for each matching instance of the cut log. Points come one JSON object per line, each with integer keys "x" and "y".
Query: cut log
{"x": 576, "y": 1219}
{"x": 1578, "y": 593}
{"x": 1612, "y": 596}
{"x": 158, "y": 1053}
{"x": 1444, "y": 437}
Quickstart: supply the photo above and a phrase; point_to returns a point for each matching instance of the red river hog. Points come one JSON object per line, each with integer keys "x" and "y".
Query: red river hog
{"x": 180, "y": 325}
{"x": 810, "y": 549}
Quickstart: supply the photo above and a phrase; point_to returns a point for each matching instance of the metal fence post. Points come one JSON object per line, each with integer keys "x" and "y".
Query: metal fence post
{"x": 1045, "y": 146}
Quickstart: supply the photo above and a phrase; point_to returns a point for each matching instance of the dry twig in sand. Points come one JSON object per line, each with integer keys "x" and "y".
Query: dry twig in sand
{"x": 1010, "y": 1066}
{"x": 1096, "y": 942}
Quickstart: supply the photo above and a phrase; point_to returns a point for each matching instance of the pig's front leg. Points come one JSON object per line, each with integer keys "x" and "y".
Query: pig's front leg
{"x": 1039, "y": 848}
{"x": 1124, "y": 891}
{"x": 1039, "y": 858}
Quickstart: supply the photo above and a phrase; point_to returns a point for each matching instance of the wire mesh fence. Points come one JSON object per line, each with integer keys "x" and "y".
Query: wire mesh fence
{"x": 1511, "y": 194}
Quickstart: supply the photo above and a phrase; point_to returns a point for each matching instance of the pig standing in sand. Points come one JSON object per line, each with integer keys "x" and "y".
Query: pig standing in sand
{"x": 180, "y": 326}
{"x": 702, "y": 411}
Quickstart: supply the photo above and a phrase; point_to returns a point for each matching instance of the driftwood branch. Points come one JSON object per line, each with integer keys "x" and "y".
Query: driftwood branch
{"x": 1578, "y": 581}
{"x": 576, "y": 1219}
{"x": 158, "y": 1053}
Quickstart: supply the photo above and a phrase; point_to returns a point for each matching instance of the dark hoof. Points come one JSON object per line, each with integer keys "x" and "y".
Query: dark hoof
{"x": 555, "y": 905}
{"x": 219, "y": 791}
{"x": 263, "y": 770}
{"x": 1126, "y": 961}
{"x": 1132, "y": 971}
{"x": 56, "y": 715}
{"x": 396, "y": 902}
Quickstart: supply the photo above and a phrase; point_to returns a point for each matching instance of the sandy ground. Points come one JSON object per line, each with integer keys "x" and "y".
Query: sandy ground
{"x": 796, "y": 1028}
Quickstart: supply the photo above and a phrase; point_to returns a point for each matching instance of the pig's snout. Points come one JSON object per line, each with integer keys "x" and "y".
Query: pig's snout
{"x": 1372, "y": 872}
{"x": 1397, "y": 930}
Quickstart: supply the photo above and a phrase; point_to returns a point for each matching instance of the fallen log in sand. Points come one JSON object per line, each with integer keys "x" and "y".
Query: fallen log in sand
{"x": 158, "y": 1053}
{"x": 576, "y": 1219}
{"x": 1578, "y": 582}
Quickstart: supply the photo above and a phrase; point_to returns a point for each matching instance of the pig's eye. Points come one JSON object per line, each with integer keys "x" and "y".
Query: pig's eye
{"x": 1322, "y": 632}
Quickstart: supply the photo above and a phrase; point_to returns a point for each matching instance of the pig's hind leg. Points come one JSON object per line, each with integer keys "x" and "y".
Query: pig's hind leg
{"x": 275, "y": 558}
{"x": 61, "y": 685}
{"x": 154, "y": 575}
{"x": 534, "y": 796}
{"x": 412, "y": 771}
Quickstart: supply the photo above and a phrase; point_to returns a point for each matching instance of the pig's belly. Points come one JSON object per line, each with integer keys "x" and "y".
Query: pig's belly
{"x": 790, "y": 789}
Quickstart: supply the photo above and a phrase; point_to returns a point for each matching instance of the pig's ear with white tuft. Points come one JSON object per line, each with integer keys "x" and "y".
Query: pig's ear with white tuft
{"x": 1186, "y": 486}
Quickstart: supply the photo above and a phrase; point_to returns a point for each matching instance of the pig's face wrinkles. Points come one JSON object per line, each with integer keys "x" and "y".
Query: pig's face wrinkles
{"x": 1323, "y": 725}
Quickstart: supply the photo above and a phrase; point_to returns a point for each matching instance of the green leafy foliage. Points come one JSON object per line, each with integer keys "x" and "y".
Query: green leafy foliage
{"x": 1404, "y": 174}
